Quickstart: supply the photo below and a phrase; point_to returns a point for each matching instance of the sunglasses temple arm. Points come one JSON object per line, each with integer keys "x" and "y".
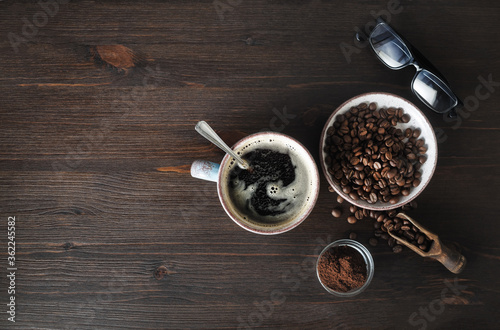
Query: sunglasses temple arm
{"x": 361, "y": 37}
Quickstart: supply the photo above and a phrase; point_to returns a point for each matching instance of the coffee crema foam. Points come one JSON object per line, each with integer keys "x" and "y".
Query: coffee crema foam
{"x": 291, "y": 199}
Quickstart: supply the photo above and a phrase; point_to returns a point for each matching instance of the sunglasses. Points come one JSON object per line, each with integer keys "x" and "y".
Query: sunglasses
{"x": 396, "y": 53}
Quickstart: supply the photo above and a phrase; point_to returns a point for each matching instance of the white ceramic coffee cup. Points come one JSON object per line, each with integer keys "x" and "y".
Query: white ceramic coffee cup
{"x": 306, "y": 188}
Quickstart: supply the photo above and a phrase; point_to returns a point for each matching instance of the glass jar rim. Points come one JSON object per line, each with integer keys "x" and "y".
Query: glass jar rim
{"x": 361, "y": 249}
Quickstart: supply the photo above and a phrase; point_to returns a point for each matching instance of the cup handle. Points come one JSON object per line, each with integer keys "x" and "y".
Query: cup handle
{"x": 205, "y": 170}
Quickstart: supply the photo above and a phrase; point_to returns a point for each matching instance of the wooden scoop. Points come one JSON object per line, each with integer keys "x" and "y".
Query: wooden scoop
{"x": 450, "y": 258}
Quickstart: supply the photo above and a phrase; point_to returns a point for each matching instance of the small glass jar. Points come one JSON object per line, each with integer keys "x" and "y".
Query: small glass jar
{"x": 361, "y": 249}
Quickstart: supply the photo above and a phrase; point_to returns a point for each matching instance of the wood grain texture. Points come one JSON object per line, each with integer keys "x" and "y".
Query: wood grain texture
{"x": 95, "y": 155}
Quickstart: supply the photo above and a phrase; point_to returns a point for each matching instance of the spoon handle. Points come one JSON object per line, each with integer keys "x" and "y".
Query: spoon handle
{"x": 208, "y": 133}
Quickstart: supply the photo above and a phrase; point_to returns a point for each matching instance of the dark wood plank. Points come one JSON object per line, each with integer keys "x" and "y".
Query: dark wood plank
{"x": 94, "y": 164}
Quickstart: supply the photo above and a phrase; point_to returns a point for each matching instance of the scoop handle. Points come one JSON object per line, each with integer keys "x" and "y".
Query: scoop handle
{"x": 453, "y": 260}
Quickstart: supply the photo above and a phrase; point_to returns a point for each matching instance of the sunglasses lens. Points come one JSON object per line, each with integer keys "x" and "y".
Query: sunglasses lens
{"x": 389, "y": 48}
{"x": 434, "y": 92}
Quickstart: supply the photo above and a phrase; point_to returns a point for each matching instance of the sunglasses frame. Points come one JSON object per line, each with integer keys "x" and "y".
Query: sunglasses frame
{"x": 421, "y": 64}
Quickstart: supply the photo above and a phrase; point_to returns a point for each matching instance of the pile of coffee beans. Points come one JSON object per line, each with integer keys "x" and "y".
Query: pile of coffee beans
{"x": 384, "y": 221}
{"x": 402, "y": 228}
{"x": 371, "y": 159}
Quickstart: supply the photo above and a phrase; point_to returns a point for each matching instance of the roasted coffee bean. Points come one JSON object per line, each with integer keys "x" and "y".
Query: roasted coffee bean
{"x": 353, "y": 209}
{"x": 394, "y": 200}
{"x": 411, "y": 156}
{"x": 420, "y": 239}
{"x": 406, "y": 207}
{"x": 336, "y": 212}
{"x": 410, "y": 235}
{"x": 340, "y": 200}
{"x": 359, "y": 214}
{"x": 408, "y": 133}
{"x": 330, "y": 189}
{"x": 353, "y": 235}
{"x": 360, "y": 166}
{"x": 352, "y": 220}
{"x": 397, "y": 249}
{"x": 391, "y": 241}
{"x": 373, "y": 241}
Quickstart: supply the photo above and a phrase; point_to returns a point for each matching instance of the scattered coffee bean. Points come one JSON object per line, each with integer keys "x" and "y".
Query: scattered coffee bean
{"x": 336, "y": 212}
{"x": 397, "y": 248}
{"x": 373, "y": 241}
{"x": 340, "y": 200}
{"x": 391, "y": 241}
{"x": 352, "y": 220}
{"x": 353, "y": 235}
{"x": 330, "y": 189}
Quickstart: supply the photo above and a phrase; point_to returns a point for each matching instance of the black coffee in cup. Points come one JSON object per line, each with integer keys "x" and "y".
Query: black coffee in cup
{"x": 271, "y": 172}
{"x": 275, "y": 190}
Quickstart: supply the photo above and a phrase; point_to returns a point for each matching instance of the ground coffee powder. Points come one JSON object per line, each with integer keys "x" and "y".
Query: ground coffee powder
{"x": 342, "y": 269}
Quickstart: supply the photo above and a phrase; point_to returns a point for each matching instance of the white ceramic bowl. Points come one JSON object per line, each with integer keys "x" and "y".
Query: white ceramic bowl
{"x": 418, "y": 120}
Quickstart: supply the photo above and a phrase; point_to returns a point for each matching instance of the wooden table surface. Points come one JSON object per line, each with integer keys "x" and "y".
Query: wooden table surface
{"x": 98, "y": 106}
